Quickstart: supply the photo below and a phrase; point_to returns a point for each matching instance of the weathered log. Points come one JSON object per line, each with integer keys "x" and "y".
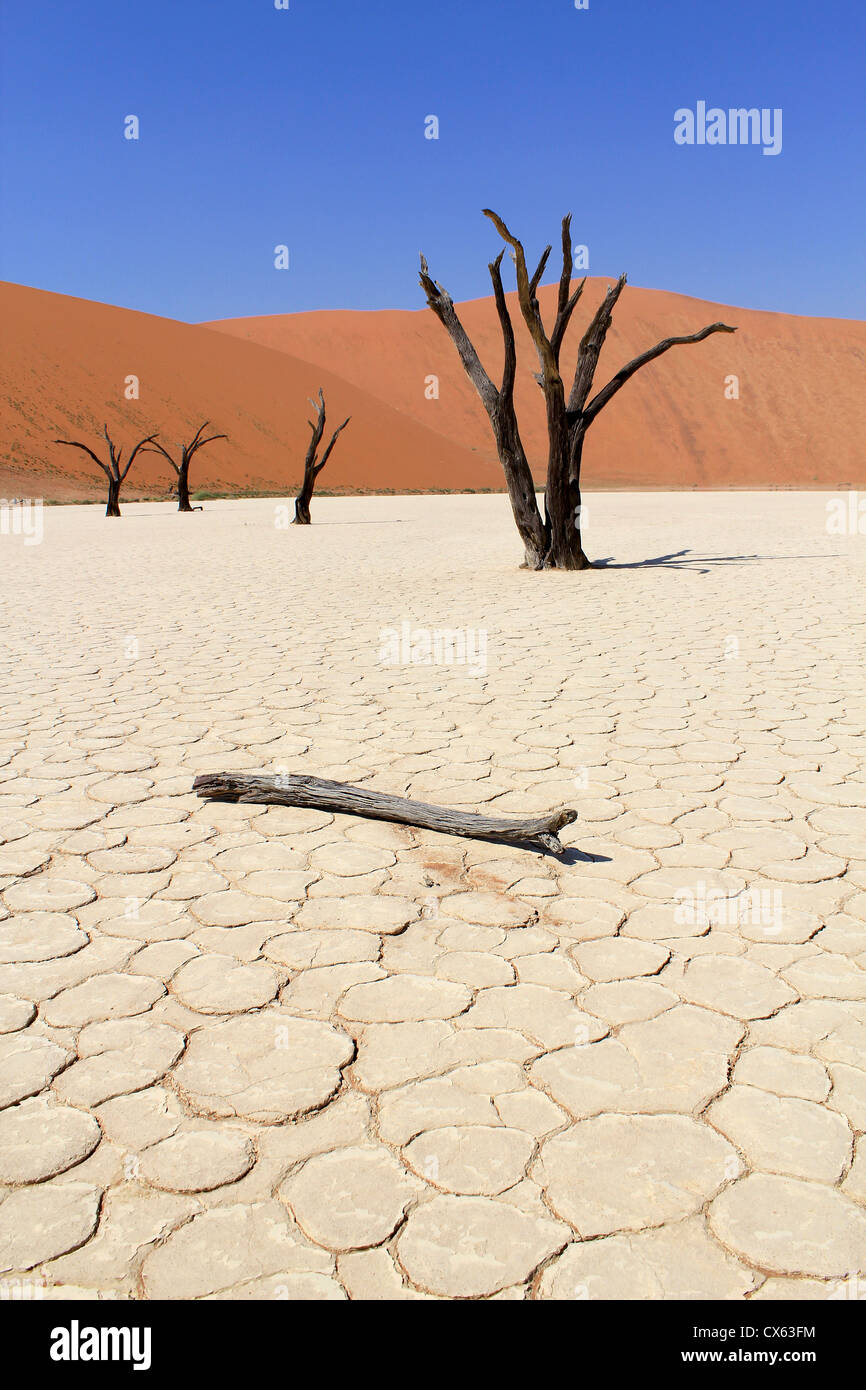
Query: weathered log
{"x": 287, "y": 790}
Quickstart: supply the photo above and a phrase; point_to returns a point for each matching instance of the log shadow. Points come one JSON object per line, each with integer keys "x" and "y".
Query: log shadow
{"x": 578, "y": 856}
{"x": 566, "y": 856}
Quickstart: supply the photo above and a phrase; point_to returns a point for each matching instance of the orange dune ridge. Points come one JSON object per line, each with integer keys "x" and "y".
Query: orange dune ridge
{"x": 64, "y": 365}
{"x": 798, "y": 421}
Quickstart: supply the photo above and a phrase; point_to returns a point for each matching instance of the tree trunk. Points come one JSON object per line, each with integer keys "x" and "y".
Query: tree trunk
{"x": 302, "y": 504}
{"x": 113, "y": 507}
{"x": 562, "y": 505}
{"x": 183, "y": 502}
{"x": 521, "y": 493}
{"x": 312, "y": 468}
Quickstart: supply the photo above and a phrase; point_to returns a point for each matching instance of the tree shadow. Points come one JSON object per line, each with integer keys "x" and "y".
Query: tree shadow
{"x": 676, "y": 561}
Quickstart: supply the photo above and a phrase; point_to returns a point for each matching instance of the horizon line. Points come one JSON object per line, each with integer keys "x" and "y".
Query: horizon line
{"x": 390, "y": 309}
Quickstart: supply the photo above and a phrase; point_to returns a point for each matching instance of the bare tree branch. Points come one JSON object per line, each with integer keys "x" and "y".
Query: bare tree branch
{"x": 499, "y": 406}
{"x": 201, "y": 443}
{"x": 526, "y": 298}
{"x": 590, "y": 347}
{"x": 74, "y": 444}
{"x": 318, "y": 429}
{"x": 158, "y": 448}
{"x": 509, "y": 369}
{"x": 442, "y": 305}
{"x": 327, "y": 454}
{"x": 114, "y": 454}
{"x": 566, "y": 302}
{"x": 141, "y": 443}
{"x": 565, "y": 273}
{"x": 536, "y": 279}
{"x": 600, "y": 400}
{"x": 193, "y": 444}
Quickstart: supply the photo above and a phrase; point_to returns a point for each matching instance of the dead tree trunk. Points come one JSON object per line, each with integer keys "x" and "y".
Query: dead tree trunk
{"x": 555, "y": 541}
{"x": 312, "y": 469}
{"x": 499, "y": 404}
{"x": 183, "y": 502}
{"x": 182, "y": 469}
{"x": 114, "y": 470}
{"x": 302, "y": 506}
{"x": 286, "y": 789}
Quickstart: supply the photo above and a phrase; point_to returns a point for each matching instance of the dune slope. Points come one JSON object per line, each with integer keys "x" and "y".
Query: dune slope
{"x": 64, "y": 366}
{"x": 799, "y": 420}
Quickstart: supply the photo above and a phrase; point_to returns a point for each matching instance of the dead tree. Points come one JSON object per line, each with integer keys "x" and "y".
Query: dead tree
{"x": 553, "y": 542}
{"x": 114, "y": 470}
{"x": 312, "y": 469}
{"x": 182, "y": 468}
{"x": 286, "y": 789}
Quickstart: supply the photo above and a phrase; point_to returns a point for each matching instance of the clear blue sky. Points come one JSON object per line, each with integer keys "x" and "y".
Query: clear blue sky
{"x": 306, "y": 127}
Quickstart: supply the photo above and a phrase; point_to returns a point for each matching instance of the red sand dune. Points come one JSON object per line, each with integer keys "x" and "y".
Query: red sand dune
{"x": 64, "y": 363}
{"x": 799, "y": 421}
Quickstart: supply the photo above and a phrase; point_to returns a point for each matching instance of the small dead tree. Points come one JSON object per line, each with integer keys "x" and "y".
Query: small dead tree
{"x": 554, "y": 542}
{"x": 312, "y": 469}
{"x": 114, "y": 470}
{"x": 182, "y": 469}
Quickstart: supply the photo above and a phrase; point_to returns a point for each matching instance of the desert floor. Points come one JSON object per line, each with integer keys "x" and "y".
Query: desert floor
{"x": 271, "y": 1053}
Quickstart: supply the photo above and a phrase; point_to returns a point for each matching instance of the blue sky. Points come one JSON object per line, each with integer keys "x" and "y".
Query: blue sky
{"x": 305, "y": 127}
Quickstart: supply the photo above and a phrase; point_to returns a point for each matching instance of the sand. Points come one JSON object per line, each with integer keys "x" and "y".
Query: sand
{"x": 260, "y": 1052}
{"x": 66, "y": 364}
{"x": 778, "y": 404}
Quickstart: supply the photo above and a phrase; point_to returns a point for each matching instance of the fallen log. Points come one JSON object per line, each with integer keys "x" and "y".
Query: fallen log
{"x": 283, "y": 789}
